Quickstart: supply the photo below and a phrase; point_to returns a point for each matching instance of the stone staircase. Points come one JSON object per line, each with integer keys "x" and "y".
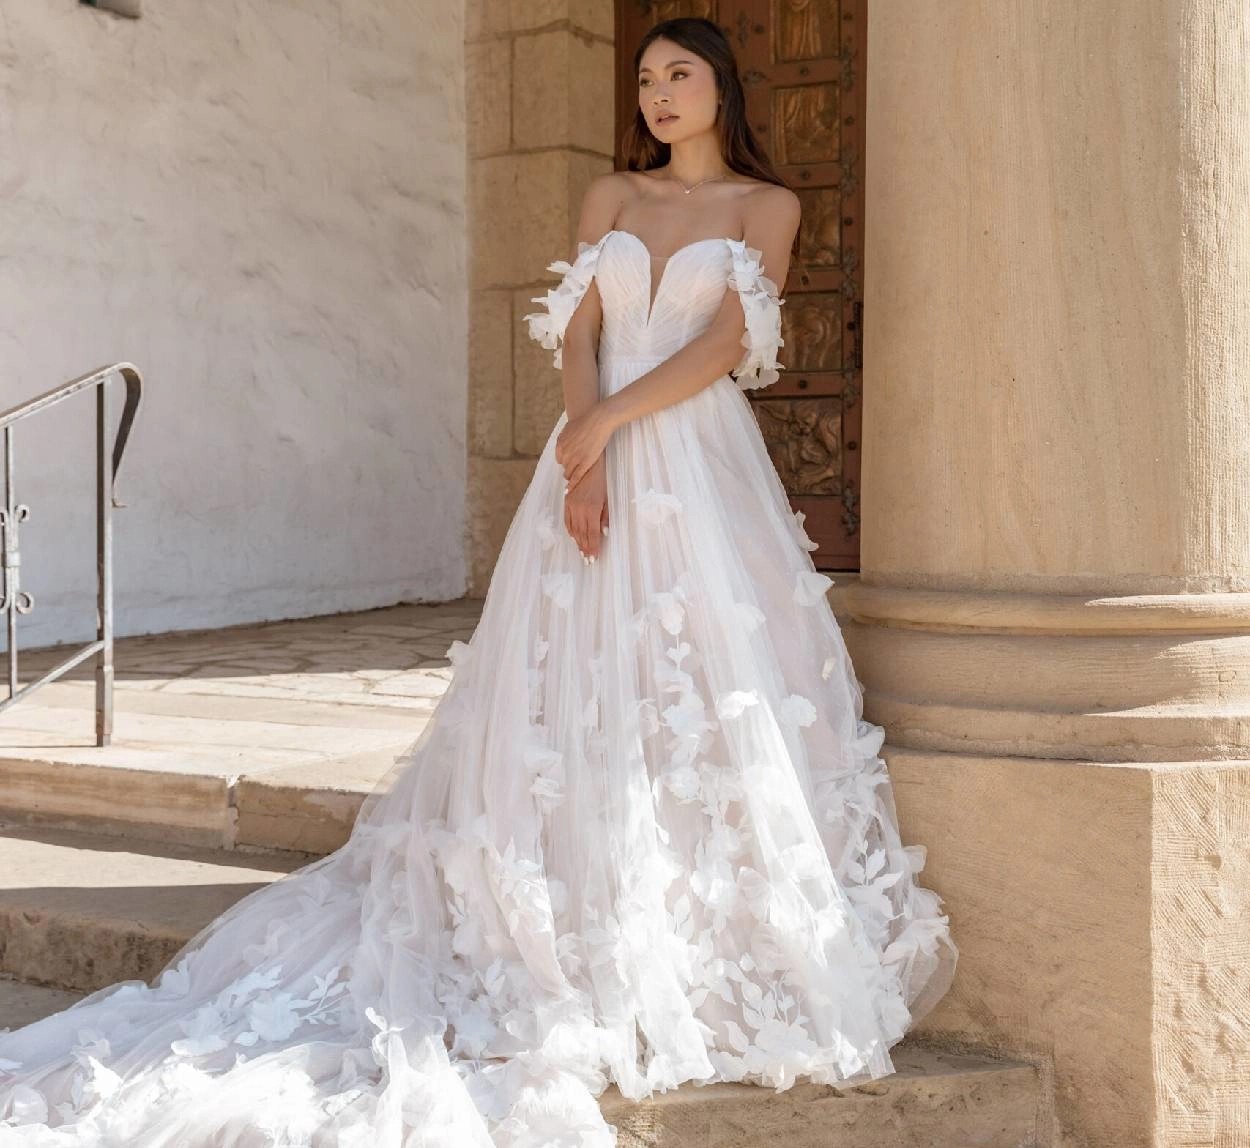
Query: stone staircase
{"x": 234, "y": 761}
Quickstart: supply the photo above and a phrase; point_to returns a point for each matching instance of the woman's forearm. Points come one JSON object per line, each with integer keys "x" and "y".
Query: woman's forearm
{"x": 581, "y": 378}
{"x": 695, "y": 366}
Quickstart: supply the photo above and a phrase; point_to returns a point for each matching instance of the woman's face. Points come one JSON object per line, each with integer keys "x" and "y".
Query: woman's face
{"x": 678, "y": 85}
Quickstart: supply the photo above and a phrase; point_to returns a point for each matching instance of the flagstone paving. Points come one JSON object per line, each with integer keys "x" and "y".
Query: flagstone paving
{"x": 264, "y": 736}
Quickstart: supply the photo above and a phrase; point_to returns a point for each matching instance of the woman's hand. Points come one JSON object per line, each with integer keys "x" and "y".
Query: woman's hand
{"x": 586, "y": 509}
{"x": 582, "y": 442}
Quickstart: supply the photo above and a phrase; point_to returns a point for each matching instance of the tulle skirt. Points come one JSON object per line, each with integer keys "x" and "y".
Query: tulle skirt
{"x": 645, "y": 839}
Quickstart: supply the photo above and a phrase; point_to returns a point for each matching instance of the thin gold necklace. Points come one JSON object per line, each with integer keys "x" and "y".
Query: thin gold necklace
{"x": 701, "y": 182}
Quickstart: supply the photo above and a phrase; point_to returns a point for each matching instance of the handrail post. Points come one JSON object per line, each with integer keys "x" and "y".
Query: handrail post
{"x": 104, "y": 569}
{"x": 12, "y": 558}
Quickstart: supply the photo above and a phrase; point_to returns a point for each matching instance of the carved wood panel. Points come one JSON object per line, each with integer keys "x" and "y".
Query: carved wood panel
{"x": 802, "y": 64}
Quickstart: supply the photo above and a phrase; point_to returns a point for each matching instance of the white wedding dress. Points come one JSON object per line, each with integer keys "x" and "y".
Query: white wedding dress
{"x": 645, "y": 838}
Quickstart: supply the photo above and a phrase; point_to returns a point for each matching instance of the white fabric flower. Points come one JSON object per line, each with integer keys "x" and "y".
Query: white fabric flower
{"x": 761, "y": 306}
{"x": 713, "y": 883}
{"x": 749, "y": 616}
{"x": 678, "y": 653}
{"x": 683, "y": 782}
{"x": 273, "y": 1018}
{"x": 795, "y": 709}
{"x": 667, "y": 607}
{"x": 688, "y": 718}
{"x": 203, "y": 1030}
{"x": 727, "y": 840}
{"x": 558, "y": 586}
{"x": 558, "y": 895}
{"x": 756, "y": 891}
{"x": 734, "y": 703}
{"x": 869, "y": 738}
{"x": 804, "y": 861}
{"x": 28, "y": 1106}
{"x": 801, "y": 534}
{"x": 102, "y": 1082}
{"x": 546, "y": 531}
{"x": 548, "y": 328}
{"x": 810, "y": 586}
{"x": 546, "y": 769}
{"x": 672, "y": 679}
{"x": 458, "y": 653}
{"x": 656, "y": 506}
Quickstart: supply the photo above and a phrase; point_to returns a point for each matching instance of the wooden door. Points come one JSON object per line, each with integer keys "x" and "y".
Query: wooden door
{"x": 802, "y": 65}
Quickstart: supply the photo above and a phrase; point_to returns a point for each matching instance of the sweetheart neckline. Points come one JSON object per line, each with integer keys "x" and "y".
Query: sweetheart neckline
{"x": 652, "y": 300}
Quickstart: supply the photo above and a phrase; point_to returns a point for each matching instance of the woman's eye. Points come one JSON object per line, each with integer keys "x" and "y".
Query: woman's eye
{"x": 679, "y": 72}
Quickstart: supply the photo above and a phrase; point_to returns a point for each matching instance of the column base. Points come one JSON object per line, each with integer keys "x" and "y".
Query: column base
{"x": 1102, "y": 913}
{"x": 1132, "y": 678}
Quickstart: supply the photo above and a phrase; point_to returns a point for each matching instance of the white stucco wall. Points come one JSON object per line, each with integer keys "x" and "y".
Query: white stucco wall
{"x": 262, "y": 204}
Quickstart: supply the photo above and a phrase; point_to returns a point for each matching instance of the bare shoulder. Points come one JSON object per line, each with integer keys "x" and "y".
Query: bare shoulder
{"x": 611, "y": 185}
{"x": 770, "y": 209}
{"x": 770, "y": 222}
{"x": 601, "y": 204}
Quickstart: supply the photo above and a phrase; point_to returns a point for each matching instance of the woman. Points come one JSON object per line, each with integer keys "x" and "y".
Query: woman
{"x": 646, "y": 837}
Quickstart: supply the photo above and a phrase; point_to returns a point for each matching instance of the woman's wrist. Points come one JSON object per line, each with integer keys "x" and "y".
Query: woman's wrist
{"x": 609, "y": 409}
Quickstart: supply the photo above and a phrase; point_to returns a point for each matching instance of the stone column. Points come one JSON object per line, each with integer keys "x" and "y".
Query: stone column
{"x": 1053, "y": 616}
{"x": 539, "y": 87}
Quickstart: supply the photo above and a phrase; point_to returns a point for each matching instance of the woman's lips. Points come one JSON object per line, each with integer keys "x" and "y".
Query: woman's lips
{"x": 665, "y": 118}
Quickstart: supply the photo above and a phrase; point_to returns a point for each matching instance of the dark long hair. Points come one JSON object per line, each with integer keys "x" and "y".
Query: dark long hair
{"x": 739, "y": 148}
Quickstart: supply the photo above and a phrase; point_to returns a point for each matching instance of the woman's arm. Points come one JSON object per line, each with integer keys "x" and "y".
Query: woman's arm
{"x": 580, "y": 357}
{"x": 586, "y": 508}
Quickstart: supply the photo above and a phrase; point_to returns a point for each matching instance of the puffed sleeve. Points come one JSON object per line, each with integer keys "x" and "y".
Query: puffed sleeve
{"x": 761, "y": 305}
{"x": 548, "y": 327}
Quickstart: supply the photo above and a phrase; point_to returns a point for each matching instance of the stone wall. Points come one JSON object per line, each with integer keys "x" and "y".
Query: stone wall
{"x": 263, "y": 206}
{"x": 540, "y": 88}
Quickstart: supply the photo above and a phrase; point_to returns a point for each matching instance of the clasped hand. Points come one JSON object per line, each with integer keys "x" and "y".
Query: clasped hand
{"x": 581, "y": 442}
{"x": 580, "y": 450}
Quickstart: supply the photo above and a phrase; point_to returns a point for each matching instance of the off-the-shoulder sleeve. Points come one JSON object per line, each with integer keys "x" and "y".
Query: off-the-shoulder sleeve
{"x": 548, "y": 327}
{"x": 761, "y": 304}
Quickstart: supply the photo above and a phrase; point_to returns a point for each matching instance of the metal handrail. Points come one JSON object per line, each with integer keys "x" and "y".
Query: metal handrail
{"x": 15, "y": 600}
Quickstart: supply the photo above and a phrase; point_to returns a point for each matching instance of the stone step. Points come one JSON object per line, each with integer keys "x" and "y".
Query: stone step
{"x": 206, "y": 771}
{"x": 81, "y": 911}
{"x": 935, "y": 1099}
{"x": 308, "y": 808}
{"x": 22, "y": 1003}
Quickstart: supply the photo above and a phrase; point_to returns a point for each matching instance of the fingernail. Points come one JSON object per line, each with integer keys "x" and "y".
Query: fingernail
{"x": 605, "y": 530}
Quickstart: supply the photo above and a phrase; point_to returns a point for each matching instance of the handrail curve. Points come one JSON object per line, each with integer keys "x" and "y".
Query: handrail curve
{"x": 13, "y": 599}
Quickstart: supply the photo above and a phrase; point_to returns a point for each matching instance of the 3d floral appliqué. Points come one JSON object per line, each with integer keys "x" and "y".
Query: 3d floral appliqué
{"x": 548, "y": 327}
{"x": 810, "y": 587}
{"x": 761, "y": 306}
{"x": 656, "y": 506}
